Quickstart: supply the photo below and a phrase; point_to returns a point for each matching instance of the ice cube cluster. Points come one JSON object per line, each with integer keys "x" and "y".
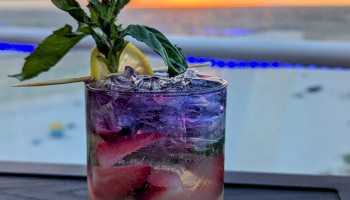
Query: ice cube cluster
{"x": 194, "y": 120}
{"x": 133, "y": 82}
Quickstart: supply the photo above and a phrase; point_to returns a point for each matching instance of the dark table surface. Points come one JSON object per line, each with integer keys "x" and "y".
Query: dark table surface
{"x": 238, "y": 186}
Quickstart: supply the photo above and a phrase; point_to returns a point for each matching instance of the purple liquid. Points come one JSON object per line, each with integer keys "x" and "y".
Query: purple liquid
{"x": 164, "y": 144}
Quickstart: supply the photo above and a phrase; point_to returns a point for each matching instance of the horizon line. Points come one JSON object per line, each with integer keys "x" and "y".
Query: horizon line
{"x": 255, "y": 6}
{"x": 154, "y": 5}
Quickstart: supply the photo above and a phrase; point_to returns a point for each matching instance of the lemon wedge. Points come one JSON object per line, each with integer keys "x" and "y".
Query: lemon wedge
{"x": 98, "y": 68}
{"x": 133, "y": 57}
{"x": 130, "y": 56}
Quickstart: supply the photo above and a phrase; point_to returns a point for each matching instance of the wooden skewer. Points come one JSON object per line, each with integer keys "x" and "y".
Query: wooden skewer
{"x": 54, "y": 82}
{"x": 86, "y": 78}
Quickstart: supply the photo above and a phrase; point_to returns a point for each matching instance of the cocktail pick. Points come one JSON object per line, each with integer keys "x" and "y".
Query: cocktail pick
{"x": 86, "y": 78}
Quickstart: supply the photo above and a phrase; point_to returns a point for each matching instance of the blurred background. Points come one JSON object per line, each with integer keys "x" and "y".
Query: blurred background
{"x": 287, "y": 65}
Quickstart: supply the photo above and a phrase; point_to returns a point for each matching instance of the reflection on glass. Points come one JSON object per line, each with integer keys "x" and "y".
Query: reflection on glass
{"x": 280, "y": 117}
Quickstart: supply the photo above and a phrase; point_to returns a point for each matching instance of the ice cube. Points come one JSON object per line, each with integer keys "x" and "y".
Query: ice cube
{"x": 125, "y": 121}
{"x": 104, "y": 119}
{"x": 173, "y": 124}
{"x": 208, "y": 126}
{"x": 131, "y": 81}
{"x": 190, "y": 73}
{"x": 197, "y": 101}
{"x": 200, "y": 144}
{"x": 102, "y": 99}
{"x": 149, "y": 84}
{"x": 121, "y": 83}
{"x": 129, "y": 72}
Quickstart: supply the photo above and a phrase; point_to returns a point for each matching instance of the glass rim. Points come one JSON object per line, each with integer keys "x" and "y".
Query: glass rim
{"x": 222, "y": 85}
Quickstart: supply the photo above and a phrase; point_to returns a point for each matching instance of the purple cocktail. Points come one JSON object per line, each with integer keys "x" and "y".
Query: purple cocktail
{"x": 156, "y": 137}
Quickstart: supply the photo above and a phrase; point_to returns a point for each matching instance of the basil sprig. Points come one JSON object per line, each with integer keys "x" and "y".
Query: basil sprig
{"x": 109, "y": 38}
{"x": 49, "y": 52}
{"x": 154, "y": 39}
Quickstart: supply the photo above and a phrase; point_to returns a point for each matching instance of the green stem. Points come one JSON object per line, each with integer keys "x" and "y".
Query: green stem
{"x": 115, "y": 53}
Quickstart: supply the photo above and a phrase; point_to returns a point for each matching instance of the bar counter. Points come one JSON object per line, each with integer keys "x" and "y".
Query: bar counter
{"x": 238, "y": 186}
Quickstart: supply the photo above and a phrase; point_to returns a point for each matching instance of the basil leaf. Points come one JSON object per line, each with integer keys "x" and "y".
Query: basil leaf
{"x": 84, "y": 28}
{"x": 93, "y": 8}
{"x": 72, "y": 7}
{"x": 99, "y": 12}
{"x": 49, "y": 52}
{"x": 154, "y": 39}
{"x": 119, "y": 5}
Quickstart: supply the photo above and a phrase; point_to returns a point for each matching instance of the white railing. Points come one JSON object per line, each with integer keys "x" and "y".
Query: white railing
{"x": 306, "y": 52}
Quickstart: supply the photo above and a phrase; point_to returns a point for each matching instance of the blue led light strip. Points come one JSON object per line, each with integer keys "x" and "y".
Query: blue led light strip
{"x": 253, "y": 64}
{"x": 24, "y": 48}
{"x": 231, "y": 64}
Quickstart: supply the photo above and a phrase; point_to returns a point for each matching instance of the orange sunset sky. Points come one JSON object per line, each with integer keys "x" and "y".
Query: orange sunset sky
{"x": 234, "y": 3}
{"x": 230, "y": 3}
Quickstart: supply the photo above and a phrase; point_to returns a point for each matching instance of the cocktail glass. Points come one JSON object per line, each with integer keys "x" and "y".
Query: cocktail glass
{"x": 155, "y": 143}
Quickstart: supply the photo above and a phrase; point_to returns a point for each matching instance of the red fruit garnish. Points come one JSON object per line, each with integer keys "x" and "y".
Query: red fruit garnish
{"x": 202, "y": 181}
{"x": 117, "y": 182}
{"x": 163, "y": 185}
{"x": 210, "y": 183}
{"x": 166, "y": 179}
{"x": 108, "y": 136}
{"x": 158, "y": 193}
{"x": 110, "y": 153}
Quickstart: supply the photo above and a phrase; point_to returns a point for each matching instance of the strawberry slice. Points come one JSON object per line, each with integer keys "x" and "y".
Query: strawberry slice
{"x": 202, "y": 180}
{"x": 117, "y": 182}
{"x": 163, "y": 185}
{"x": 110, "y": 153}
{"x": 159, "y": 193}
{"x": 210, "y": 174}
{"x": 166, "y": 179}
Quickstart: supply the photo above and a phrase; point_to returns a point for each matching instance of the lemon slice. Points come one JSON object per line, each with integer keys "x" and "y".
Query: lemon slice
{"x": 130, "y": 56}
{"x": 98, "y": 68}
{"x": 133, "y": 57}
